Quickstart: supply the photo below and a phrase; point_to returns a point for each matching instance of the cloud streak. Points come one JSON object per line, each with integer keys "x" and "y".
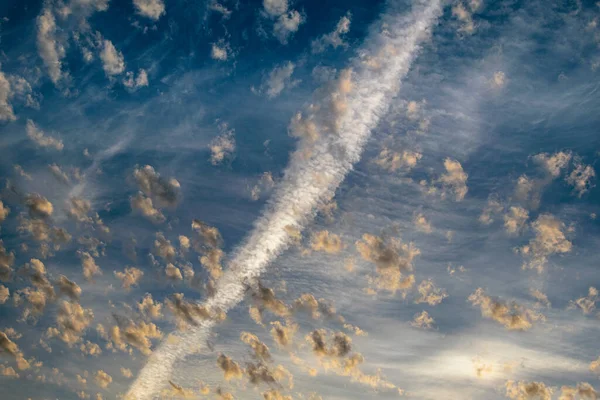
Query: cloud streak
{"x": 312, "y": 176}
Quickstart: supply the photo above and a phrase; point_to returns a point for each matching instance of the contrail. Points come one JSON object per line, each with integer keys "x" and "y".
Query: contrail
{"x": 340, "y": 126}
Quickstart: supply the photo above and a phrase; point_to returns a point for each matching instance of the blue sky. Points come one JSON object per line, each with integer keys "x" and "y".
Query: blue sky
{"x": 413, "y": 183}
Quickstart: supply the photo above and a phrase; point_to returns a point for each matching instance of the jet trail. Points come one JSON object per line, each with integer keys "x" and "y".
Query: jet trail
{"x": 342, "y": 123}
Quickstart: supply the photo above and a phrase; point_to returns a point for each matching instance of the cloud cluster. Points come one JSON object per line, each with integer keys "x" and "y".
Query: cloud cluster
{"x": 392, "y": 258}
{"x": 550, "y": 238}
{"x": 223, "y": 146}
{"x": 454, "y": 180}
{"x": 286, "y": 22}
{"x": 71, "y": 320}
{"x": 511, "y": 315}
{"x": 528, "y": 390}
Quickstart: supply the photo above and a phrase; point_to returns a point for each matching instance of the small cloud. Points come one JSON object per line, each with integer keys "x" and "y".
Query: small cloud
{"x": 90, "y": 268}
{"x": 549, "y": 239}
{"x": 421, "y": 223}
{"x": 528, "y": 390}
{"x": 220, "y": 51}
{"x": 50, "y": 49}
{"x": 135, "y": 82}
{"x": 129, "y": 277}
{"x": 499, "y": 80}
{"x": 112, "y": 59}
{"x": 6, "y": 111}
{"x": 40, "y": 138}
{"x": 327, "y": 242}
{"x": 553, "y": 164}
{"x": 586, "y": 304}
{"x": 454, "y": 181}
{"x": 145, "y": 206}
{"x": 334, "y": 39}
{"x": 152, "y": 9}
{"x": 515, "y": 219}
{"x": 393, "y": 161}
{"x": 287, "y": 24}
{"x": 223, "y": 146}
{"x": 165, "y": 192}
{"x": 422, "y": 321}
{"x": 511, "y": 315}
{"x": 279, "y": 79}
{"x": 581, "y": 178}
{"x": 102, "y": 379}
{"x": 430, "y": 294}
{"x": 275, "y": 8}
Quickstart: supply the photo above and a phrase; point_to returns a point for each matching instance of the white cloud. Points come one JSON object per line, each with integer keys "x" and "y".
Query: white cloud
{"x": 220, "y": 51}
{"x": 40, "y": 137}
{"x": 287, "y": 25}
{"x": 333, "y": 39}
{"x": 223, "y": 146}
{"x": 280, "y": 78}
{"x": 6, "y": 110}
{"x": 275, "y": 8}
{"x": 152, "y": 9}
{"x": 51, "y": 51}
{"x": 135, "y": 82}
{"x": 112, "y": 59}
{"x": 581, "y": 178}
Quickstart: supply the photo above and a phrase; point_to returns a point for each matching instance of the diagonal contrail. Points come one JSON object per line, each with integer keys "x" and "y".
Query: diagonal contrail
{"x": 339, "y": 130}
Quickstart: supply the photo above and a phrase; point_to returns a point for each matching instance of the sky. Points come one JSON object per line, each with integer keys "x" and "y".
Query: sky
{"x": 278, "y": 199}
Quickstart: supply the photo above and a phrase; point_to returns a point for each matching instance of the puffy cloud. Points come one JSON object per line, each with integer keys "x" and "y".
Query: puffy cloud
{"x": 11, "y": 348}
{"x": 8, "y": 371}
{"x": 275, "y": 8}
{"x": 4, "y": 211}
{"x": 261, "y": 350}
{"x": 113, "y": 62}
{"x": 90, "y": 268}
{"x": 152, "y": 9}
{"x": 7, "y": 260}
{"x": 527, "y": 190}
{"x": 515, "y": 219}
{"x": 279, "y": 79}
{"x": 163, "y": 248}
{"x": 79, "y": 209}
{"x": 138, "y": 335}
{"x": 422, "y": 321}
{"x": 542, "y": 299}
{"x": 220, "y": 51}
{"x": 90, "y": 349}
{"x": 211, "y": 261}
{"x": 430, "y": 294}
{"x": 465, "y": 15}
{"x": 581, "y": 178}
{"x": 327, "y": 242}
{"x": 223, "y": 146}
{"x": 454, "y": 181}
{"x": 126, "y": 372}
{"x": 511, "y": 315}
{"x": 287, "y": 24}
{"x": 260, "y": 373}
{"x": 129, "y": 277}
{"x": 587, "y": 304}
{"x": 421, "y": 223}
{"x": 4, "y": 294}
{"x": 583, "y": 391}
{"x": 498, "y": 81}
{"x": 50, "y": 49}
{"x": 230, "y": 368}
{"x": 334, "y": 39}
{"x": 149, "y": 308}
{"x": 392, "y": 161}
{"x": 528, "y": 390}
{"x": 340, "y": 346}
{"x": 102, "y": 379}
{"x": 392, "y": 259}
{"x": 6, "y": 111}
{"x": 549, "y": 239}
{"x": 283, "y": 334}
{"x": 72, "y": 320}
{"x": 40, "y": 138}
{"x": 69, "y": 288}
{"x": 172, "y": 272}
{"x": 265, "y": 297}
{"x": 265, "y": 184}
{"x": 209, "y": 235}
{"x": 553, "y": 164}
{"x": 38, "y": 206}
{"x": 145, "y": 206}
{"x": 135, "y": 82}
